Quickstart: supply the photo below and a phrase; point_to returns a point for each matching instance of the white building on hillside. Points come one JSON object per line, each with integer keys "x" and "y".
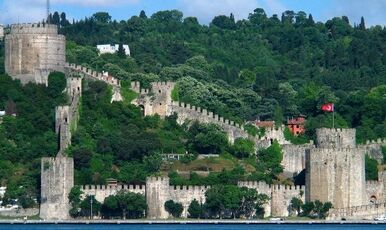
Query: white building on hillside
{"x": 110, "y": 49}
{"x": 1, "y": 32}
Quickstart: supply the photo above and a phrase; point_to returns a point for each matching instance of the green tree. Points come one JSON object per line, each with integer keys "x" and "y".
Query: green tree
{"x": 101, "y": 17}
{"x": 174, "y": 208}
{"x": 371, "y": 168}
{"x": 121, "y": 51}
{"x": 243, "y": 148}
{"x": 296, "y": 205}
{"x": 85, "y": 207}
{"x": 194, "y": 209}
{"x": 269, "y": 161}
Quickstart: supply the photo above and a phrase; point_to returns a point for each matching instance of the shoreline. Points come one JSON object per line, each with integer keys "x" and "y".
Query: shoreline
{"x": 196, "y": 222}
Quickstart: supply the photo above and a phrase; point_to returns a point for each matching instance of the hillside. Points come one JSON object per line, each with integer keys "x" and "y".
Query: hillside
{"x": 263, "y": 67}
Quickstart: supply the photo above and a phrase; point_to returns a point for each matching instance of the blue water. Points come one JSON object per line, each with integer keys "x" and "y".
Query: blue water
{"x": 195, "y": 227}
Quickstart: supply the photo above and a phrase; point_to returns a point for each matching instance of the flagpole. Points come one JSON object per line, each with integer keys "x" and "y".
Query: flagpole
{"x": 333, "y": 116}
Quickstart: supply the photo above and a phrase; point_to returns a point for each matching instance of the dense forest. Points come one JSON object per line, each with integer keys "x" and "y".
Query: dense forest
{"x": 262, "y": 67}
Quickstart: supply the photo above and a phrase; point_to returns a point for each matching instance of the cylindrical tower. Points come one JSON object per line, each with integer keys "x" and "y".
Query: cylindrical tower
{"x": 32, "y": 51}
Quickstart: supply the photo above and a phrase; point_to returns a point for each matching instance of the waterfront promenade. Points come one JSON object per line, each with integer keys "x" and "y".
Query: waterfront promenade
{"x": 148, "y": 221}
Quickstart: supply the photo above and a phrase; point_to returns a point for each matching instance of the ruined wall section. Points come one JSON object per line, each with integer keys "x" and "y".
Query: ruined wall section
{"x": 155, "y": 100}
{"x": 274, "y": 133}
{"x": 32, "y": 51}
{"x": 100, "y": 192}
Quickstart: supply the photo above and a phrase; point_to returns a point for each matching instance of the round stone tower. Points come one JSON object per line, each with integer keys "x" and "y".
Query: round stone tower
{"x": 32, "y": 51}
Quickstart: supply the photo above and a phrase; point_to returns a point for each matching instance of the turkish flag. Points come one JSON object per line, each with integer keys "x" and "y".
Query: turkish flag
{"x": 328, "y": 107}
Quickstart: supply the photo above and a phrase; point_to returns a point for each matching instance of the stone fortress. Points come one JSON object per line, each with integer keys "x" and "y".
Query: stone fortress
{"x": 32, "y": 51}
{"x": 334, "y": 165}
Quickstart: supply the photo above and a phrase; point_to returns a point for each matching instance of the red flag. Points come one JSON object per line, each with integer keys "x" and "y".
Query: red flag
{"x": 328, "y": 107}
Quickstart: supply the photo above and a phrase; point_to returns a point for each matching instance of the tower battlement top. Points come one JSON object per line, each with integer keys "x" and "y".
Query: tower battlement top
{"x": 336, "y": 138}
{"x": 34, "y": 28}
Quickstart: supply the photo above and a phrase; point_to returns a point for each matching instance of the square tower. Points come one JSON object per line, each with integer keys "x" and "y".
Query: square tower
{"x": 335, "y": 170}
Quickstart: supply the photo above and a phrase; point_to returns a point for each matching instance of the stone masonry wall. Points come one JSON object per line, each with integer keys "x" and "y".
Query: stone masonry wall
{"x": 57, "y": 179}
{"x": 158, "y": 191}
{"x": 155, "y": 100}
{"x": 294, "y": 158}
{"x": 93, "y": 75}
{"x": 280, "y": 196}
{"x": 187, "y": 112}
{"x": 57, "y": 174}
{"x": 100, "y": 192}
{"x": 336, "y": 175}
{"x": 32, "y": 51}
{"x": 335, "y": 138}
{"x": 374, "y": 149}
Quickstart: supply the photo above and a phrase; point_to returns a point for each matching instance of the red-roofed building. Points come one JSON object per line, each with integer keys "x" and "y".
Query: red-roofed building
{"x": 264, "y": 124}
{"x": 296, "y": 125}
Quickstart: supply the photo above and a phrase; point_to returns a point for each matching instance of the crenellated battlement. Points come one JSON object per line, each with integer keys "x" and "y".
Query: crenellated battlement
{"x": 130, "y": 187}
{"x": 357, "y": 150}
{"x": 34, "y": 28}
{"x": 208, "y": 114}
{"x": 373, "y": 183}
{"x": 358, "y": 212}
{"x": 335, "y": 138}
{"x": 157, "y": 179}
{"x": 262, "y": 186}
{"x": 378, "y": 141}
{"x": 187, "y": 188}
{"x": 110, "y": 80}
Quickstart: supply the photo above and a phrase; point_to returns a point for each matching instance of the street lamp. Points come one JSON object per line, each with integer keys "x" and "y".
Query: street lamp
{"x": 91, "y": 208}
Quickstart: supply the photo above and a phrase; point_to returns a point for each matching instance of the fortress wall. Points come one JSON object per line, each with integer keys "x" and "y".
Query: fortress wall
{"x": 186, "y": 194}
{"x": 294, "y": 158}
{"x": 162, "y": 97}
{"x": 57, "y": 174}
{"x": 335, "y": 175}
{"x": 102, "y": 191}
{"x": 364, "y": 212}
{"x": 156, "y": 196}
{"x": 188, "y": 112}
{"x": 281, "y": 198}
{"x": 276, "y": 134}
{"x": 92, "y": 75}
{"x": 57, "y": 179}
{"x": 374, "y": 192}
{"x": 335, "y": 138}
{"x": 374, "y": 149}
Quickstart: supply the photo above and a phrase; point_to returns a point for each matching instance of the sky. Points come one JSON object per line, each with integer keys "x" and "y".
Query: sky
{"x": 14, "y": 11}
